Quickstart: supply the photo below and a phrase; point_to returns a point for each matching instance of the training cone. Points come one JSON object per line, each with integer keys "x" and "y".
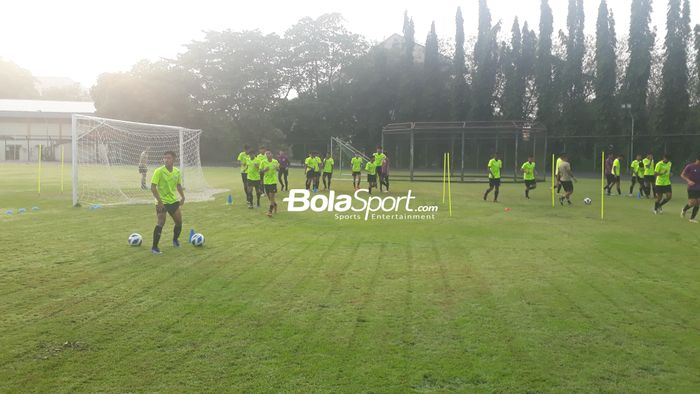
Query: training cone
{"x": 507, "y": 209}
{"x": 229, "y": 201}
{"x": 191, "y": 235}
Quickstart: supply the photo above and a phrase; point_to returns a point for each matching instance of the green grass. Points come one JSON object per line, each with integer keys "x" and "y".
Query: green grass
{"x": 537, "y": 299}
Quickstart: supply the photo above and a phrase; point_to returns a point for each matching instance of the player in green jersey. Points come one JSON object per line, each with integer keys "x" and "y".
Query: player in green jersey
{"x": 494, "y": 166}
{"x": 649, "y": 178}
{"x": 328, "y": 163}
{"x": 268, "y": 169}
{"x": 616, "y": 171}
{"x": 371, "y": 169}
{"x": 242, "y": 162}
{"x": 165, "y": 182}
{"x": 254, "y": 182}
{"x": 528, "y": 169}
{"x": 637, "y": 175}
{"x": 356, "y": 164}
{"x": 663, "y": 184}
{"x": 309, "y": 169}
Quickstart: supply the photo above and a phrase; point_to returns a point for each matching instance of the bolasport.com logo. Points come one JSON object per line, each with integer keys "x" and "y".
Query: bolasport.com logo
{"x": 360, "y": 206}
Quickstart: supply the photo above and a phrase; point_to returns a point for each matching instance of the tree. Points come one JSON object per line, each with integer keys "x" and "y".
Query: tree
{"x": 409, "y": 39}
{"x": 606, "y": 105}
{"x": 486, "y": 65}
{"x": 432, "y": 107}
{"x": 640, "y": 42}
{"x": 696, "y": 30}
{"x": 16, "y": 82}
{"x": 574, "y": 118}
{"x": 514, "y": 82}
{"x": 674, "y": 99}
{"x": 546, "y": 99}
{"x": 460, "y": 89}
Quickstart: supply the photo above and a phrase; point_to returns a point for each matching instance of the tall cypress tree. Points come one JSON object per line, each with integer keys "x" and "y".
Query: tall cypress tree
{"x": 514, "y": 84}
{"x": 526, "y": 69}
{"x": 640, "y": 44}
{"x": 485, "y": 63}
{"x": 545, "y": 101}
{"x": 409, "y": 39}
{"x": 605, "y": 72}
{"x": 674, "y": 98}
{"x": 697, "y": 58}
{"x": 431, "y": 106}
{"x": 574, "y": 121}
{"x": 460, "y": 89}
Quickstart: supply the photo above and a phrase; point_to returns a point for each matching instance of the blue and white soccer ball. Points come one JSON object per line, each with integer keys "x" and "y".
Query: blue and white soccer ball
{"x": 135, "y": 239}
{"x": 197, "y": 240}
{"x": 587, "y": 201}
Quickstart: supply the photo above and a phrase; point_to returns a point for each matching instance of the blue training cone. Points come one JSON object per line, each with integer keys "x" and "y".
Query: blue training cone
{"x": 191, "y": 235}
{"x": 230, "y": 200}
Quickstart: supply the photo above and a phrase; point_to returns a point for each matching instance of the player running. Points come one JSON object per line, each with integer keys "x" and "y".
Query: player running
{"x": 143, "y": 168}
{"x": 371, "y": 169}
{"x": 556, "y": 174}
{"x": 495, "y": 165}
{"x": 165, "y": 181}
{"x": 637, "y": 175}
{"x": 283, "y": 171}
{"x": 528, "y": 169}
{"x": 269, "y": 168}
{"x": 649, "y": 179}
{"x": 310, "y": 165}
{"x": 609, "y": 176}
{"x": 567, "y": 177}
{"x": 242, "y": 160}
{"x": 356, "y": 164}
{"x": 384, "y": 180}
{"x": 253, "y": 176}
{"x": 616, "y": 171}
{"x": 691, "y": 174}
{"x": 663, "y": 184}
{"x": 379, "y": 157}
{"x": 317, "y": 171}
{"x": 328, "y": 163}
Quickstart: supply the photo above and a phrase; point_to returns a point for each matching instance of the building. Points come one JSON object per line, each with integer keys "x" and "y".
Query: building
{"x": 27, "y": 124}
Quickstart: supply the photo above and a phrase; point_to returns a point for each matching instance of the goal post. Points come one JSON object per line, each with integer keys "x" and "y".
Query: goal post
{"x": 113, "y": 160}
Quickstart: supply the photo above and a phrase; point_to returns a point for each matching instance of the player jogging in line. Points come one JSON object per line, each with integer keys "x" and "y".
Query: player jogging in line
{"x": 495, "y": 165}
{"x": 663, "y": 184}
{"x": 616, "y": 167}
{"x": 253, "y": 171}
{"x": 528, "y": 169}
{"x": 283, "y": 171}
{"x": 556, "y": 174}
{"x": 609, "y": 176}
{"x": 649, "y": 178}
{"x": 384, "y": 180}
{"x": 242, "y": 160}
{"x": 691, "y": 174}
{"x": 379, "y": 157}
{"x": 309, "y": 164}
{"x": 637, "y": 175}
{"x": 317, "y": 171}
{"x": 328, "y": 163}
{"x": 143, "y": 168}
{"x": 567, "y": 177}
{"x": 371, "y": 169}
{"x": 268, "y": 169}
{"x": 356, "y": 165}
{"x": 165, "y": 181}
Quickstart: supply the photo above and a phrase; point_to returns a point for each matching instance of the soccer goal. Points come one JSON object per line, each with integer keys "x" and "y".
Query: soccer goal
{"x": 113, "y": 160}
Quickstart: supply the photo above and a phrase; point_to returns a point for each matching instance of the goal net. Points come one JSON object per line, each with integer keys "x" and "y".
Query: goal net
{"x": 113, "y": 160}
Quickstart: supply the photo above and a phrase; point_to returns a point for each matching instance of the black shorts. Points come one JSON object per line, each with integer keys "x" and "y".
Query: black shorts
{"x": 170, "y": 208}
{"x": 379, "y": 170}
{"x": 244, "y": 177}
{"x": 328, "y": 174}
{"x": 356, "y": 173}
{"x": 283, "y": 171}
{"x": 530, "y": 182}
{"x": 143, "y": 169}
{"x": 616, "y": 178}
{"x": 649, "y": 178}
{"x": 309, "y": 174}
{"x": 371, "y": 178}
{"x": 317, "y": 174}
{"x": 494, "y": 181}
{"x": 662, "y": 189}
{"x": 270, "y": 188}
{"x": 610, "y": 178}
{"x": 640, "y": 179}
{"x": 256, "y": 184}
{"x": 568, "y": 186}
{"x": 693, "y": 194}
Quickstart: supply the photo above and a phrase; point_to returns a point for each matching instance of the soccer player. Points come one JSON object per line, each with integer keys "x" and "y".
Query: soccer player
{"x": 691, "y": 174}
{"x": 379, "y": 157}
{"x": 556, "y": 173}
{"x": 317, "y": 171}
{"x": 284, "y": 170}
{"x": 663, "y": 190}
{"x": 495, "y": 165}
{"x": 609, "y": 176}
{"x": 616, "y": 167}
{"x": 268, "y": 169}
{"x": 528, "y": 169}
{"x": 253, "y": 176}
{"x": 567, "y": 177}
{"x": 328, "y": 163}
{"x": 165, "y": 181}
{"x": 384, "y": 180}
{"x": 371, "y": 169}
{"x": 356, "y": 164}
{"x": 637, "y": 175}
{"x": 649, "y": 179}
{"x": 242, "y": 160}
{"x": 143, "y": 168}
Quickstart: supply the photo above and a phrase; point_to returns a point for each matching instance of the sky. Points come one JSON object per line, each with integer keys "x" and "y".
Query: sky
{"x": 81, "y": 39}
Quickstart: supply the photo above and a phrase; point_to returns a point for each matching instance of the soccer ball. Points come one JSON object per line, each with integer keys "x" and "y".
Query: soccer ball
{"x": 587, "y": 201}
{"x": 198, "y": 240}
{"x": 135, "y": 239}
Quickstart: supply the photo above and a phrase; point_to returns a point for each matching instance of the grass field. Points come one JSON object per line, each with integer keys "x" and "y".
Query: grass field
{"x": 537, "y": 299}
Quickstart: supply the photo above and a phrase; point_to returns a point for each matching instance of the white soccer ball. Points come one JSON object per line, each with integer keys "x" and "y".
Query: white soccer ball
{"x": 587, "y": 201}
{"x": 135, "y": 239}
{"x": 198, "y": 240}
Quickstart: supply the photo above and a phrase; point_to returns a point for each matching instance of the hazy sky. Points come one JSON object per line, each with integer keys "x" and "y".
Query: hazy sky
{"x": 80, "y": 39}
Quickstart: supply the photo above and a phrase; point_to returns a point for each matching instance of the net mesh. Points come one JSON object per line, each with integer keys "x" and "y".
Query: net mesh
{"x": 116, "y": 159}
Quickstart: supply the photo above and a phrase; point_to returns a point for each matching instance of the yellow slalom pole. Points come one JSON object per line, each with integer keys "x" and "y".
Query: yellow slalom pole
{"x": 444, "y": 175}
{"x": 553, "y": 185}
{"x": 39, "y": 173}
{"x": 449, "y": 184}
{"x": 62, "y": 168}
{"x": 602, "y": 186}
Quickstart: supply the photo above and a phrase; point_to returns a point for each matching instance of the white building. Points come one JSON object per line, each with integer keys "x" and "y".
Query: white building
{"x": 26, "y": 124}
